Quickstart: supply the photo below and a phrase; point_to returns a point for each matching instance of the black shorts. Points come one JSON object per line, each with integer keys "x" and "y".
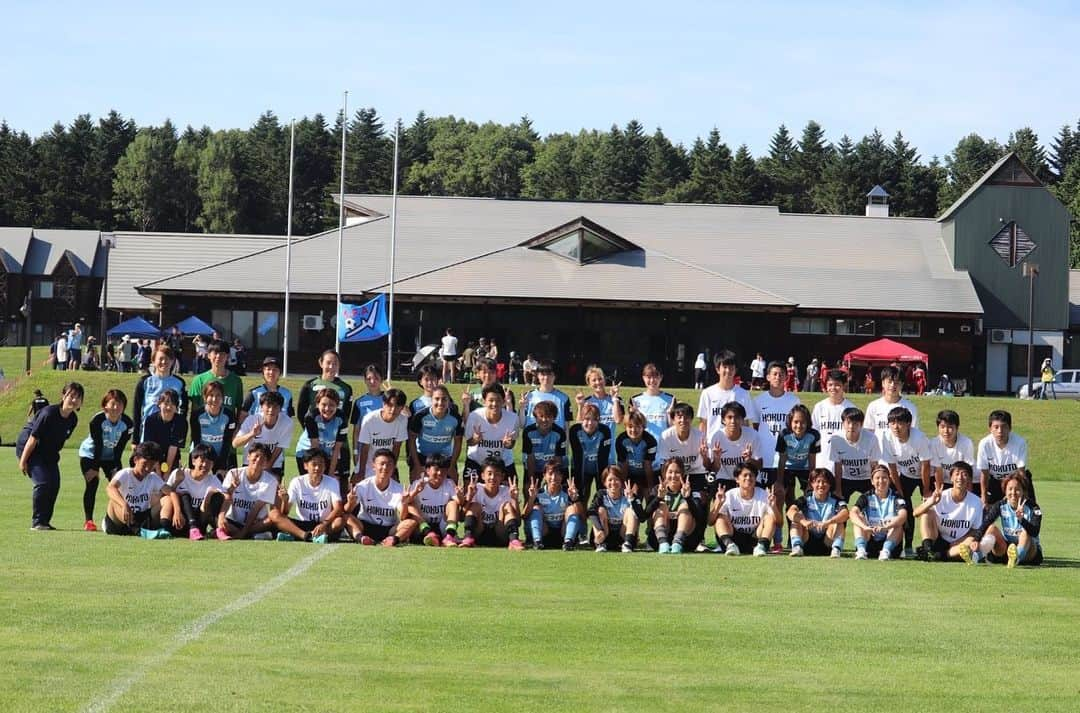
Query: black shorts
{"x": 766, "y": 477}
{"x": 817, "y": 546}
{"x": 802, "y": 476}
{"x": 377, "y": 532}
{"x": 874, "y": 547}
{"x": 305, "y": 525}
{"x": 141, "y": 520}
{"x": 450, "y": 358}
{"x": 417, "y": 537}
{"x": 103, "y": 468}
{"x": 850, "y": 487}
{"x": 745, "y": 541}
{"x": 490, "y": 537}
{"x": 553, "y": 538}
{"x": 690, "y": 543}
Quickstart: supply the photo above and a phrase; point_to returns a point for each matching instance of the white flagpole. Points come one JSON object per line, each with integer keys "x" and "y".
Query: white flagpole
{"x": 288, "y": 253}
{"x": 393, "y": 248}
{"x": 341, "y": 214}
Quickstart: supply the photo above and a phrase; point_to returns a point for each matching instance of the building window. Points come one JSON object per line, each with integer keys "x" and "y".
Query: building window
{"x": 243, "y": 327}
{"x": 221, "y": 320}
{"x": 267, "y": 330}
{"x": 809, "y": 325}
{"x": 1018, "y": 359}
{"x": 855, "y": 327}
{"x": 900, "y": 327}
{"x": 1012, "y": 244}
{"x": 44, "y": 290}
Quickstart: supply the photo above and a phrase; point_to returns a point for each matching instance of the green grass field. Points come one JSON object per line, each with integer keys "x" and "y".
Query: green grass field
{"x": 91, "y": 622}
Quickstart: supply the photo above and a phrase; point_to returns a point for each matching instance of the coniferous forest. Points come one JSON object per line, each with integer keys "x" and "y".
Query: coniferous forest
{"x": 111, "y": 174}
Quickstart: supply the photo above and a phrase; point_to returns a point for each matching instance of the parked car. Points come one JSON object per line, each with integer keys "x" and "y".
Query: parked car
{"x": 1066, "y": 386}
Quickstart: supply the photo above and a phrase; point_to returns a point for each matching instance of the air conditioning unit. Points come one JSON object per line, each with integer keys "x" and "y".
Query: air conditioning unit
{"x": 965, "y": 329}
{"x": 313, "y": 322}
{"x": 1001, "y": 336}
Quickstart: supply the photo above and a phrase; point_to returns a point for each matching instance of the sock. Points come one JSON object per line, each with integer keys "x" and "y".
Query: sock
{"x": 890, "y": 546}
{"x": 838, "y": 543}
{"x": 860, "y": 542}
{"x": 451, "y": 529}
{"x": 89, "y": 498}
{"x": 1021, "y": 553}
{"x": 573, "y": 527}
{"x": 661, "y": 534}
{"x": 631, "y": 540}
{"x": 727, "y": 541}
{"x": 536, "y": 525}
{"x": 470, "y": 525}
{"x": 778, "y": 535}
{"x": 307, "y": 537}
{"x": 796, "y": 541}
{"x": 986, "y": 544}
{"x": 165, "y": 524}
{"x": 512, "y": 526}
{"x": 680, "y": 537}
{"x": 424, "y": 527}
{"x": 763, "y": 542}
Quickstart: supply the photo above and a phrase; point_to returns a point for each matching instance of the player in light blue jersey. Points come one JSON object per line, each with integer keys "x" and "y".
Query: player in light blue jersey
{"x": 323, "y": 429}
{"x": 653, "y": 403}
{"x": 554, "y": 515}
{"x": 590, "y": 449}
{"x": 635, "y": 451}
{"x": 1016, "y": 540}
{"x": 428, "y": 380}
{"x": 434, "y": 430}
{"x": 546, "y": 391}
{"x": 152, "y": 386}
{"x": 818, "y": 520}
{"x": 541, "y": 441}
{"x": 616, "y": 512}
{"x": 608, "y": 405}
{"x": 271, "y": 371}
{"x": 878, "y": 518}
{"x": 798, "y": 446}
{"x": 371, "y": 401}
{"x": 215, "y": 425}
{"x": 110, "y": 430}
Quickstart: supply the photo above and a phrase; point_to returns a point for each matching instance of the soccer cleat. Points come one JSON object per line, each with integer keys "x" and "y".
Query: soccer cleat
{"x": 569, "y": 545}
{"x": 389, "y": 541}
{"x": 921, "y": 553}
{"x": 777, "y": 549}
{"x": 366, "y": 541}
{"x": 701, "y": 547}
{"x": 538, "y": 546}
{"x": 432, "y": 540}
{"x": 89, "y": 526}
{"x": 469, "y": 541}
{"x": 515, "y": 545}
{"x": 665, "y": 548}
{"x": 796, "y": 551}
{"x": 42, "y": 528}
{"x": 676, "y": 548}
{"x": 835, "y": 554}
{"x": 909, "y": 554}
{"x": 195, "y": 534}
{"x": 147, "y": 534}
{"x": 884, "y": 556}
{"x": 1012, "y": 556}
{"x": 965, "y": 553}
{"x": 449, "y": 541}
{"x": 860, "y": 554}
{"x": 262, "y": 536}
{"x": 626, "y": 547}
{"x": 320, "y": 539}
{"x": 601, "y": 547}
{"x": 221, "y": 534}
{"x": 285, "y": 537}
{"x": 163, "y": 534}
{"x": 760, "y": 551}
{"x": 732, "y": 550}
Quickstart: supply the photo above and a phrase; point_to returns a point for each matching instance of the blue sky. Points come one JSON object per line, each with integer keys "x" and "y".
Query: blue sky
{"x": 936, "y": 71}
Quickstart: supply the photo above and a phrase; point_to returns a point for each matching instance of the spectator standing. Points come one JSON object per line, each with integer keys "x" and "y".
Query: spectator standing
{"x": 449, "y": 354}
{"x": 516, "y": 367}
{"x": 810, "y": 383}
{"x": 529, "y": 367}
{"x": 61, "y": 356}
{"x": 757, "y": 372}
{"x": 75, "y": 345}
{"x": 699, "y": 371}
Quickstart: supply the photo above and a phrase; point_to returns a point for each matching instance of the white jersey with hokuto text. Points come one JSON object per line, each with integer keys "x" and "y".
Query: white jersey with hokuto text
{"x": 248, "y": 495}
{"x": 854, "y": 460}
{"x": 491, "y": 504}
{"x": 732, "y": 451}
{"x": 314, "y": 502}
{"x": 956, "y": 519}
{"x": 773, "y": 412}
{"x": 138, "y": 494}
{"x": 182, "y": 482}
{"x": 827, "y": 418}
{"x": 688, "y": 452}
{"x": 908, "y": 456}
{"x": 877, "y": 414}
{"x": 432, "y": 503}
{"x": 491, "y": 436}
{"x": 943, "y": 455}
{"x": 746, "y": 515}
{"x": 1000, "y": 461}
{"x": 378, "y": 434}
{"x": 379, "y": 507}
{"x": 277, "y": 436}
{"x": 713, "y": 400}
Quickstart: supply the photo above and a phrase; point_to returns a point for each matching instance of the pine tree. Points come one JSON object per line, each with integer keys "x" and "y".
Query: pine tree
{"x": 369, "y": 157}
{"x": 709, "y": 162}
{"x": 635, "y": 158}
{"x": 971, "y": 158}
{"x": 780, "y": 172}
{"x": 313, "y": 173}
{"x": 263, "y": 177}
{"x": 666, "y": 169}
{"x": 744, "y": 184}
{"x": 16, "y": 177}
{"x": 219, "y": 182}
{"x": 114, "y": 134}
{"x": 837, "y": 193}
{"x": 810, "y": 159}
{"x": 144, "y": 183}
{"x": 551, "y": 175}
{"x": 1025, "y": 142}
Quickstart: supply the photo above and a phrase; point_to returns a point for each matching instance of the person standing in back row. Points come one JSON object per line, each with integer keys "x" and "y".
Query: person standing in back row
{"x": 449, "y": 354}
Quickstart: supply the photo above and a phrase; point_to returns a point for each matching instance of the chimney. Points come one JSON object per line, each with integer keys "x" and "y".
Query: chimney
{"x": 877, "y": 203}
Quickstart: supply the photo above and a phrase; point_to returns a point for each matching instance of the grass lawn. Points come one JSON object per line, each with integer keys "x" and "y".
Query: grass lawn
{"x": 91, "y": 622}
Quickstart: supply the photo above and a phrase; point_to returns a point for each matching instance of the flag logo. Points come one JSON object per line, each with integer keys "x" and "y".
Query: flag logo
{"x": 363, "y": 323}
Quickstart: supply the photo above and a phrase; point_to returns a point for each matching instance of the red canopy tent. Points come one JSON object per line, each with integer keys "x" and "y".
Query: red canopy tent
{"x": 885, "y": 351}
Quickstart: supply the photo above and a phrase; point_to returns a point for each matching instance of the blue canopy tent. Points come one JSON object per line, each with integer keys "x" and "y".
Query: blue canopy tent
{"x": 194, "y": 325}
{"x": 136, "y": 327}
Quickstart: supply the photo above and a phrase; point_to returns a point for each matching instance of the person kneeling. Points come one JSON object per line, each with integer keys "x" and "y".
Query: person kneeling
{"x": 744, "y": 516}
{"x": 949, "y": 521}
{"x": 250, "y": 492}
{"x": 1016, "y": 540}
{"x": 197, "y": 497}
{"x": 491, "y": 510}
{"x": 317, "y": 498}
{"x": 818, "y": 519}
{"x": 673, "y": 509}
{"x": 555, "y": 516}
{"x": 377, "y": 506}
{"x": 135, "y": 497}
{"x": 615, "y": 512}
{"x": 879, "y": 517}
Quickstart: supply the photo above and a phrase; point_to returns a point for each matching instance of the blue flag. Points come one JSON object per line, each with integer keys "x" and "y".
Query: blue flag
{"x": 363, "y": 323}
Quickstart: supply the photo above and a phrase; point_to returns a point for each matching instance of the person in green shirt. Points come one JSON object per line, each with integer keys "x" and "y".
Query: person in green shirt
{"x": 231, "y": 384}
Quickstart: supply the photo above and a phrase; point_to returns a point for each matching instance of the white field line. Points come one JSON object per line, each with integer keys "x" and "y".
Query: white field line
{"x": 195, "y": 629}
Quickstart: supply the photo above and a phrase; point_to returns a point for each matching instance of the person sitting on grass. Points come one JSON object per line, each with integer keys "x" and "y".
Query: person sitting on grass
{"x": 542, "y": 441}
{"x": 135, "y": 496}
{"x": 110, "y": 430}
{"x": 616, "y": 512}
{"x": 745, "y": 516}
{"x": 879, "y": 517}
{"x": 1016, "y": 539}
{"x": 818, "y": 519}
{"x": 491, "y": 509}
{"x": 674, "y": 512}
{"x": 950, "y": 520}
{"x": 554, "y": 514}
{"x": 317, "y": 499}
{"x": 437, "y": 504}
{"x": 250, "y": 492}
{"x": 377, "y": 507}
{"x": 199, "y": 497}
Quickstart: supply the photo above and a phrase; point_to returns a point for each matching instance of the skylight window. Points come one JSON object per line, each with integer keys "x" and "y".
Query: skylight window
{"x": 582, "y": 241}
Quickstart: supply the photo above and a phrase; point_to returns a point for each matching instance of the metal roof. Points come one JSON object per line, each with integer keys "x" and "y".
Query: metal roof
{"x": 49, "y": 247}
{"x": 1074, "y": 298}
{"x": 877, "y": 192}
{"x": 690, "y": 253}
{"x": 984, "y": 179}
{"x": 14, "y": 243}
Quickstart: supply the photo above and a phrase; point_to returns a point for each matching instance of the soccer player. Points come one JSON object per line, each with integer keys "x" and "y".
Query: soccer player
{"x": 655, "y": 405}
{"x": 615, "y": 512}
{"x": 731, "y": 447}
{"x": 135, "y": 495}
{"x": 323, "y": 429}
{"x": 609, "y": 406}
{"x": 819, "y": 519}
{"x": 150, "y": 387}
{"x": 377, "y": 506}
{"x": 853, "y": 453}
{"x": 545, "y": 391}
{"x": 1000, "y": 454}
{"x": 590, "y": 450}
{"x": 270, "y": 426}
{"x": 317, "y": 498}
{"x": 232, "y": 385}
{"x": 774, "y": 408}
{"x": 366, "y": 403}
{"x": 949, "y": 446}
{"x": 437, "y": 504}
{"x": 879, "y": 517}
{"x": 110, "y": 430}
{"x": 744, "y": 517}
{"x": 38, "y": 449}
{"x": 271, "y": 372}
{"x": 1016, "y": 540}
{"x": 907, "y": 453}
{"x": 491, "y": 510}
{"x": 330, "y": 366}
{"x": 797, "y": 448}
{"x": 553, "y": 512}
{"x": 215, "y": 425}
{"x": 250, "y": 492}
{"x": 386, "y": 428}
{"x": 724, "y": 391}
{"x": 687, "y": 445}
{"x": 197, "y": 496}
{"x": 674, "y": 509}
{"x": 542, "y": 440}
{"x": 635, "y": 452}
{"x": 436, "y": 429}
{"x": 166, "y": 428}
{"x": 491, "y": 432}
{"x": 827, "y": 418}
{"x": 427, "y": 379}
{"x": 877, "y": 413}
{"x": 487, "y": 371}
{"x": 950, "y": 520}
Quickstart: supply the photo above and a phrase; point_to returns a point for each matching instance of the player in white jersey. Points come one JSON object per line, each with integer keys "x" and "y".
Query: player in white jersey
{"x": 818, "y": 519}
{"x": 827, "y": 418}
{"x": 949, "y": 520}
{"x": 999, "y": 455}
{"x": 492, "y": 517}
{"x": 135, "y": 495}
{"x": 722, "y": 392}
{"x": 907, "y": 453}
{"x": 744, "y": 516}
{"x": 250, "y": 492}
{"x": 879, "y": 517}
{"x": 877, "y": 413}
{"x": 199, "y": 494}
{"x": 731, "y": 447}
{"x": 317, "y": 499}
{"x": 491, "y": 432}
{"x": 437, "y": 504}
{"x": 687, "y": 445}
{"x": 377, "y": 506}
{"x": 949, "y": 446}
{"x": 774, "y": 408}
{"x": 853, "y": 453}
{"x": 267, "y": 425}
{"x": 655, "y": 405}
{"x": 386, "y": 428}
